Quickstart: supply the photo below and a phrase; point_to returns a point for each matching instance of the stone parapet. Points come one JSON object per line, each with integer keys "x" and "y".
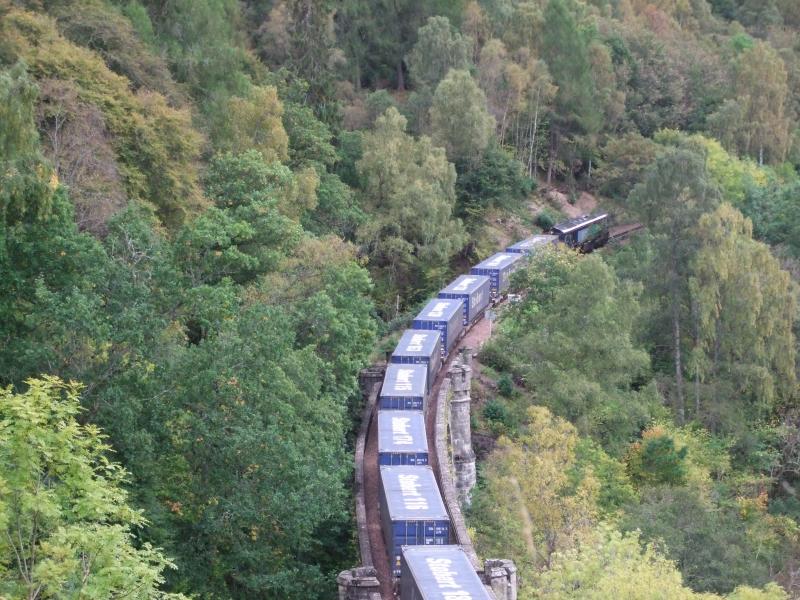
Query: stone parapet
{"x": 360, "y": 583}
{"x": 370, "y": 381}
{"x": 501, "y": 576}
{"x": 460, "y": 428}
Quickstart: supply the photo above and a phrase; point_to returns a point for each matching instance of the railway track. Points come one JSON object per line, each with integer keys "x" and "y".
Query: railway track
{"x": 474, "y": 337}
{"x": 619, "y": 233}
{"x": 371, "y": 539}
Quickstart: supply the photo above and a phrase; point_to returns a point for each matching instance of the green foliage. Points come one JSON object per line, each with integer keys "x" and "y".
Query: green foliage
{"x": 254, "y": 123}
{"x": 615, "y": 488}
{"x": 524, "y": 506}
{"x": 438, "y": 50}
{"x": 612, "y": 564}
{"x": 711, "y": 547}
{"x": 378, "y": 35}
{"x": 505, "y": 385}
{"x": 124, "y": 44}
{"x": 155, "y": 144}
{"x": 460, "y": 121}
{"x": 67, "y": 525}
{"x": 545, "y": 219}
{"x": 410, "y": 188}
{"x": 657, "y": 461}
{"x": 745, "y": 307}
{"x": 337, "y": 210}
{"x": 566, "y": 50}
{"x": 25, "y": 192}
{"x": 774, "y": 210}
{"x": 624, "y": 162}
{"x": 205, "y": 51}
{"x": 498, "y": 180}
{"x": 586, "y": 369}
{"x": 245, "y": 234}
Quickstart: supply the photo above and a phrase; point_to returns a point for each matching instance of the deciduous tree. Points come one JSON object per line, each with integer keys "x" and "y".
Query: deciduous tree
{"x": 460, "y": 121}
{"x": 68, "y": 530}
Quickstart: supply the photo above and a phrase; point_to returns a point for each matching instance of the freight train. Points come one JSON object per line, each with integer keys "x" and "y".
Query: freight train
{"x": 415, "y": 523}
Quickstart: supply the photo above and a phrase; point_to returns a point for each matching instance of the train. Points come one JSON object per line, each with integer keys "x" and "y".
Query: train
{"x": 415, "y": 523}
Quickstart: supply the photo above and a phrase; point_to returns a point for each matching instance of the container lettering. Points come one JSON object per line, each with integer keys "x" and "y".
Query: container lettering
{"x": 443, "y": 574}
{"x": 409, "y": 487}
{"x": 400, "y": 433}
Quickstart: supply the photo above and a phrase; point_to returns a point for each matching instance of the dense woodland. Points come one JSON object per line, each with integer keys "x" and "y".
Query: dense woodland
{"x": 212, "y": 212}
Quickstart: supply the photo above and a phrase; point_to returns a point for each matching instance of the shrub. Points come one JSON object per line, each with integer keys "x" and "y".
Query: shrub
{"x": 545, "y": 220}
{"x": 505, "y": 385}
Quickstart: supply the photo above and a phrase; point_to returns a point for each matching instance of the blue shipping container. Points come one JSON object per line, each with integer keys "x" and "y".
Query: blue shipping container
{"x": 474, "y": 290}
{"x": 420, "y": 347}
{"x": 445, "y": 316}
{"x": 412, "y": 511}
{"x": 498, "y": 268}
{"x": 530, "y": 245}
{"x": 404, "y": 387}
{"x": 439, "y": 573}
{"x": 401, "y": 438}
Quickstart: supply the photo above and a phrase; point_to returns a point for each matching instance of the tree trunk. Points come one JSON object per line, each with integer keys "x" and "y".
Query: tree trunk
{"x": 503, "y": 124}
{"x": 761, "y": 155}
{"x": 534, "y": 159}
{"x": 697, "y": 342}
{"x": 401, "y": 82}
{"x": 676, "y": 335}
{"x": 551, "y": 158}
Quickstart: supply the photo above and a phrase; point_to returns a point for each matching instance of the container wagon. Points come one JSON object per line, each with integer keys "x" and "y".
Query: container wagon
{"x": 420, "y": 347}
{"x": 439, "y": 573}
{"x": 498, "y": 269}
{"x": 529, "y": 246}
{"x": 443, "y": 315}
{"x": 474, "y": 290}
{"x": 412, "y": 511}
{"x": 404, "y": 387}
{"x": 401, "y": 438}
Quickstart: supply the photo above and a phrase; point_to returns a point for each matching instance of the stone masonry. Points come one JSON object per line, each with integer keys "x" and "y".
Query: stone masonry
{"x": 460, "y": 430}
{"x": 501, "y": 576}
{"x": 360, "y": 583}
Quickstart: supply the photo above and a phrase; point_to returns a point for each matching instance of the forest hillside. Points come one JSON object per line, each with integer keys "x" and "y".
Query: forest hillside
{"x": 214, "y": 212}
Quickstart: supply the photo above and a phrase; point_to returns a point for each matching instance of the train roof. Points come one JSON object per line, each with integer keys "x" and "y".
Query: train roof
{"x": 440, "y": 309}
{"x": 532, "y": 242}
{"x": 442, "y": 572}
{"x": 412, "y": 494}
{"x": 417, "y": 342}
{"x": 498, "y": 261}
{"x": 405, "y": 380}
{"x": 578, "y": 222}
{"x": 401, "y": 431}
{"x": 466, "y": 284}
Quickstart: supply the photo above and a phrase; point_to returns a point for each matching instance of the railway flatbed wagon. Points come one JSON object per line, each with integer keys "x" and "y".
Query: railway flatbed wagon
{"x": 444, "y": 315}
{"x": 474, "y": 290}
{"x": 439, "y": 573}
{"x": 405, "y": 387}
{"x": 412, "y": 511}
{"x": 401, "y": 438}
{"x": 498, "y": 269}
{"x": 420, "y": 347}
{"x": 530, "y": 245}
